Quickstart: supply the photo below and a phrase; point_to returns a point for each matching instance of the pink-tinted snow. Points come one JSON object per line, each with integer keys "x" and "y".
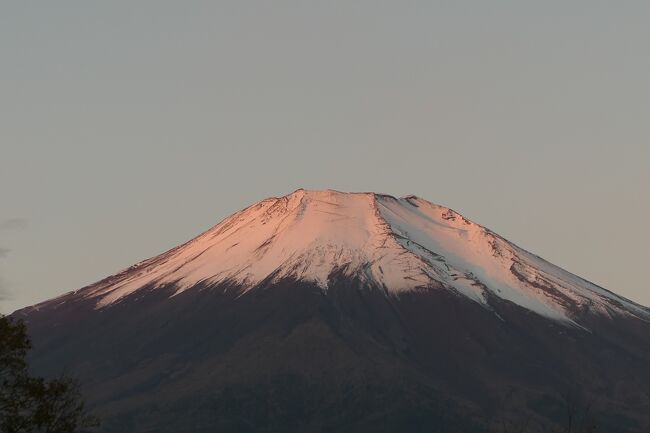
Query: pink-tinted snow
{"x": 394, "y": 244}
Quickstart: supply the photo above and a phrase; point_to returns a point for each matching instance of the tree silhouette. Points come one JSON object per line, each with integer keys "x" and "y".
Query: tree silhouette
{"x": 31, "y": 404}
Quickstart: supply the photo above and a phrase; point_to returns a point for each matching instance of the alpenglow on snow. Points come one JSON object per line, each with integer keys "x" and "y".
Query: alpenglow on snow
{"x": 390, "y": 244}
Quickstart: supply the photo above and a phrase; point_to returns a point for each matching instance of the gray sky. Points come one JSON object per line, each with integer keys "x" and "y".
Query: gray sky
{"x": 127, "y": 127}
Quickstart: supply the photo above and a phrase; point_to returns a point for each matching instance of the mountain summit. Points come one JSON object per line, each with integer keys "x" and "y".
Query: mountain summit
{"x": 390, "y": 244}
{"x": 326, "y": 311}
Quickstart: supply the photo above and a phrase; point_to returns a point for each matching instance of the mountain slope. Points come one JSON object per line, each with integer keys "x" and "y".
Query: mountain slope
{"x": 395, "y": 244}
{"x": 328, "y": 311}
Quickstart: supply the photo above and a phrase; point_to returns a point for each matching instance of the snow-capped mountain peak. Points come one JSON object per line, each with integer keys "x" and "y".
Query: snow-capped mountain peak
{"x": 390, "y": 244}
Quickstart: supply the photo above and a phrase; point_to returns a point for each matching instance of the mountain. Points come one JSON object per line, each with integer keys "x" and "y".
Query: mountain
{"x": 351, "y": 312}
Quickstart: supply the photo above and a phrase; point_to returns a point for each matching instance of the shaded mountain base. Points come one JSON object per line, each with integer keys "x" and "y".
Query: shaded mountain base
{"x": 292, "y": 404}
{"x": 292, "y": 358}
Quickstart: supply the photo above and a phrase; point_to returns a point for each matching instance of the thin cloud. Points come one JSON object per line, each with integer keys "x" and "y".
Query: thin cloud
{"x": 4, "y": 290}
{"x": 13, "y": 223}
{"x": 5, "y": 293}
{"x": 8, "y": 224}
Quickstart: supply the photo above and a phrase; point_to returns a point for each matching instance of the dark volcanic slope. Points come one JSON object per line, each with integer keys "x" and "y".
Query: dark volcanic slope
{"x": 323, "y": 311}
{"x": 291, "y": 357}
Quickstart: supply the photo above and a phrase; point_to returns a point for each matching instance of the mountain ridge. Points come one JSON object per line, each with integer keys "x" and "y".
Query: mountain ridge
{"x": 328, "y": 311}
{"x": 397, "y": 244}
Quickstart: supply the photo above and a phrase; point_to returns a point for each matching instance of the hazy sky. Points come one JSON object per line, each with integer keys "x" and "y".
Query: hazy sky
{"x": 128, "y": 127}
